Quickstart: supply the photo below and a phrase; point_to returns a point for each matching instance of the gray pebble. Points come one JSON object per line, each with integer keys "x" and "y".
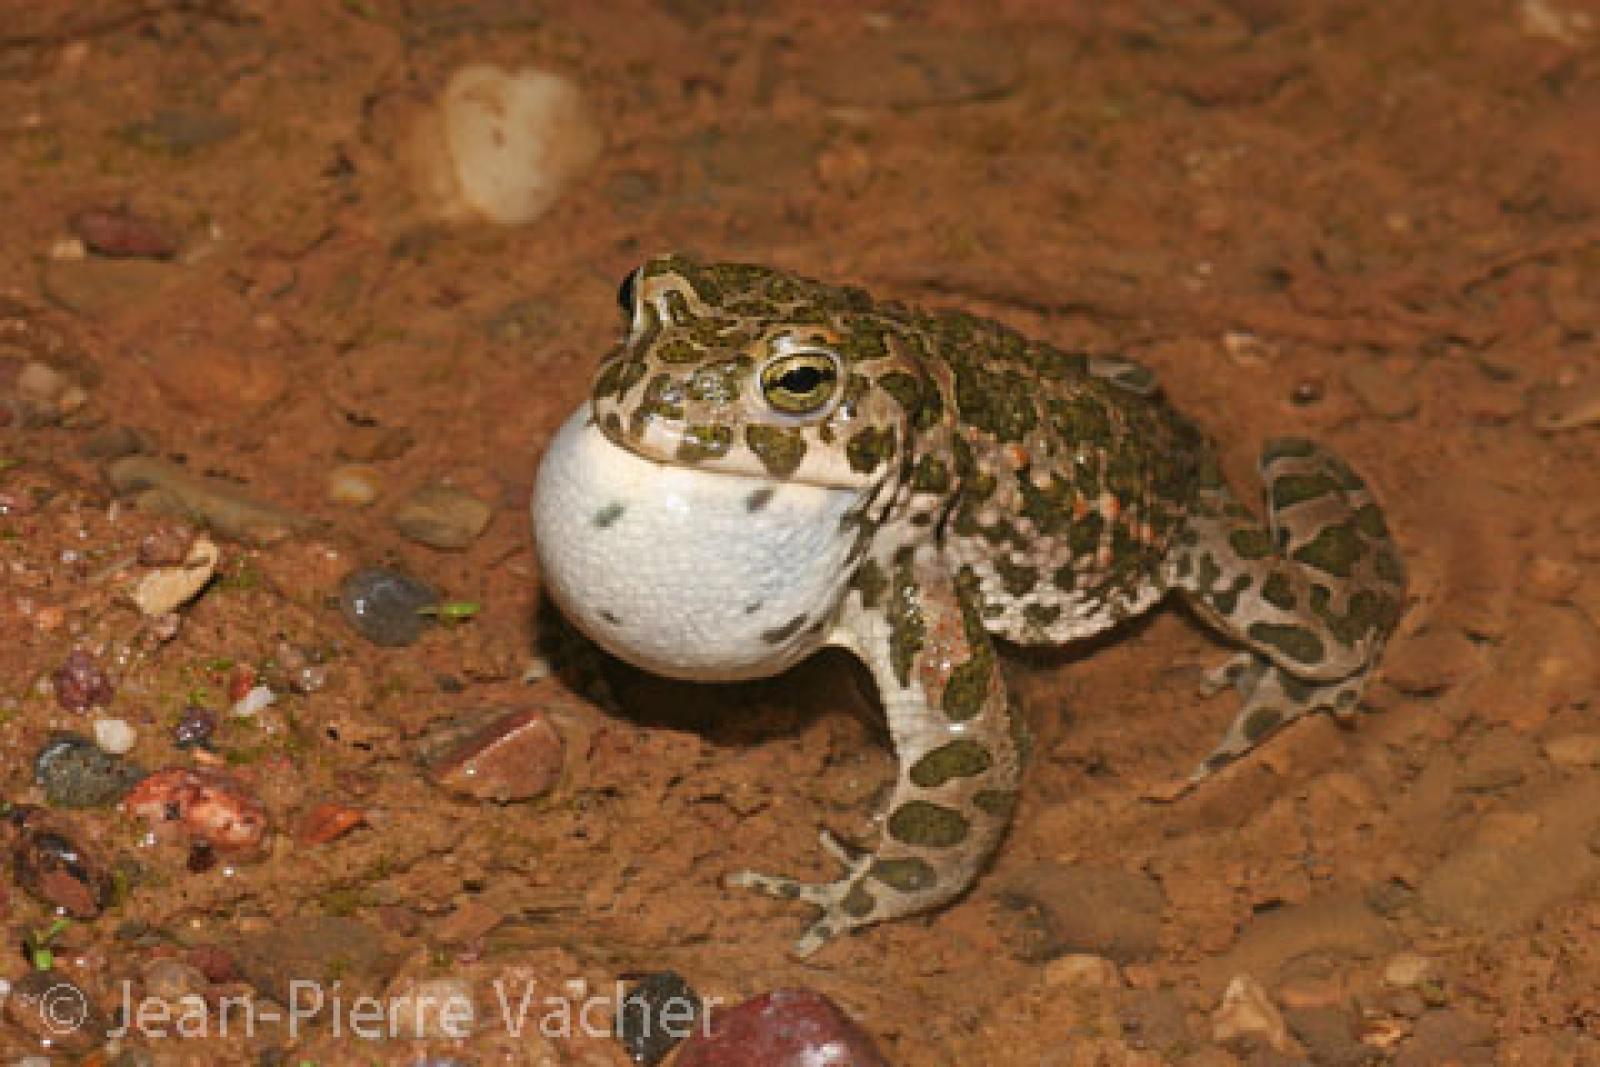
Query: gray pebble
{"x": 76, "y": 773}
{"x": 385, "y": 605}
{"x": 442, "y": 517}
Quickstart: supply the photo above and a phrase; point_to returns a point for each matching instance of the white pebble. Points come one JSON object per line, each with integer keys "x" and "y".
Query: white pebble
{"x": 115, "y": 736}
{"x": 504, "y": 146}
{"x": 254, "y": 702}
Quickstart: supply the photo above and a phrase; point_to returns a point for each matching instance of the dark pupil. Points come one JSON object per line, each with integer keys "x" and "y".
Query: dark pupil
{"x": 802, "y": 379}
{"x": 625, "y": 292}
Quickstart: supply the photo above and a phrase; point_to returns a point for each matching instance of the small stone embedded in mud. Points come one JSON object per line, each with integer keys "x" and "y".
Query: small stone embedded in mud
{"x": 1248, "y": 1016}
{"x": 441, "y": 516}
{"x": 56, "y": 1012}
{"x": 80, "y": 683}
{"x": 166, "y": 489}
{"x": 354, "y": 485}
{"x": 1054, "y": 908}
{"x": 181, "y": 132}
{"x": 77, "y": 773}
{"x": 516, "y": 757}
{"x": 195, "y": 729}
{"x": 169, "y": 588}
{"x": 54, "y": 868}
{"x": 657, "y": 1012}
{"x": 1381, "y": 392}
{"x": 783, "y": 1028}
{"x": 329, "y": 821}
{"x": 386, "y": 606}
{"x": 913, "y": 67}
{"x": 123, "y": 233}
{"x": 207, "y": 805}
{"x": 116, "y": 736}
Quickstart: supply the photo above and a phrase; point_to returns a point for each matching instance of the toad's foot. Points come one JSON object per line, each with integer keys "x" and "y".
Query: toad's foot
{"x": 958, "y": 745}
{"x": 1313, "y": 594}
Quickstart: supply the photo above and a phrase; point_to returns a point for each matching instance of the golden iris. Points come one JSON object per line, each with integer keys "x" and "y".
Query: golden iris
{"x": 799, "y": 384}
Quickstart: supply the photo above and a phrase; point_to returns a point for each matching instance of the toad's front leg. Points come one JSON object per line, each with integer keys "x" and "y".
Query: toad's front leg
{"x": 958, "y": 742}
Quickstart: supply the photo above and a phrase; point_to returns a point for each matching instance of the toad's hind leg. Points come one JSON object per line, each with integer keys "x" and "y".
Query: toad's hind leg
{"x": 957, "y": 742}
{"x": 1313, "y": 595}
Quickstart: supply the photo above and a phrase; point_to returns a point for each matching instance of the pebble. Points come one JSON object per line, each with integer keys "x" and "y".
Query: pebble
{"x": 166, "y": 488}
{"x": 913, "y": 67}
{"x": 195, "y": 729}
{"x": 1554, "y": 408}
{"x": 1381, "y": 392}
{"x": 505, "y": 145}
{"x": 77, "y": 773}
{"x": 80, "y": 683}
{"x": 1082, "y": 971}
{"x": 354, "y": 485}
{"x": 316, "y": 948}
{"x": 172, "y": 980}
{"x": 209, "y": 806}
{"x": 1247, "y": 1014}
{"x": 53, "y": 1010}
{"x": 218, "y": 378}
{"x": 113, "y": 442}
{"x": 1059, "y": 908}
{"x": 516, "y": 757}
{"x": 169, "y": 588}
{"x": 1574, "y": 750}
{"x": 656, "y": 1014}
{"x": 385, "y": 605}
{"x": 1550, "y": 660}
{"x": 115, "y": 736}
{"x": 52, "y": 867}
{"x": 329, "y": 821}
{"x": 256, "y": 699}
{"x": 180, "y": 132}
{"x": 1329, "y": 1037}
{"x": 440, "y": 516}
{"x": 783, "y": 1028}
{"x": 1407, "y": 970}
{"x": 123, "y": 233}
{"x": 1433, "y": 661}
{"x": 105, "y": 289}
{"x": 45, "y": 395}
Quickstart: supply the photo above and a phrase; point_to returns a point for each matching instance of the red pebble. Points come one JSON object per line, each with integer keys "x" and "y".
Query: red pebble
{"x": 783, "y": 1028}
{"x": 122, "y": 233}
{"x": 241, "y": 680}
{"x": 516, "y": 757}
{"x": 211, "y": 806}
{"x": 329, "y": 821}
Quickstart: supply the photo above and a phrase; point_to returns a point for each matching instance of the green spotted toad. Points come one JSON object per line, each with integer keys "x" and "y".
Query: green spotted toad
{"x": 768, "y": 465}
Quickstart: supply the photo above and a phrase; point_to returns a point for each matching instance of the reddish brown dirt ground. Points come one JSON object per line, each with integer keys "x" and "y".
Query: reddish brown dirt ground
{"x": 1373, "y": 224}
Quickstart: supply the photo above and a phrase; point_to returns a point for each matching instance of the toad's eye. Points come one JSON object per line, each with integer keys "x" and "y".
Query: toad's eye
{"x": 800, "y": 383}
{"x": 627, "y": 291}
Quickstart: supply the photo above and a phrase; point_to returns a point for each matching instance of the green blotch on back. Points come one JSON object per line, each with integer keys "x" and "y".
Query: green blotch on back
{"x": 930, "y": 475}
{"x": 921, "y": 822}
{"x": 1251, "y": 542}
{"x": 1017, "y": 579}
{"x": 967, "y": 688}
{"x": 954, "y": 759}
{"x": 1278, "y": 592}
{"x": 779, "y": 448}
{"x": 907, "y": 875}
{"x": 1292, "y": 489}
{"x": 1296, "y": 642}
{"x": 1261, "y": 722}
{"x": 1334, "y": 550}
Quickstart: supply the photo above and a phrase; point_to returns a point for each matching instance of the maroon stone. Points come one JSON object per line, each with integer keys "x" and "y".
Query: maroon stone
{"x": 516, "y": 757}
{"x": 783, "y": 1028}
{"x": 80, "y": 684}
{"x": 121, "y": 233}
